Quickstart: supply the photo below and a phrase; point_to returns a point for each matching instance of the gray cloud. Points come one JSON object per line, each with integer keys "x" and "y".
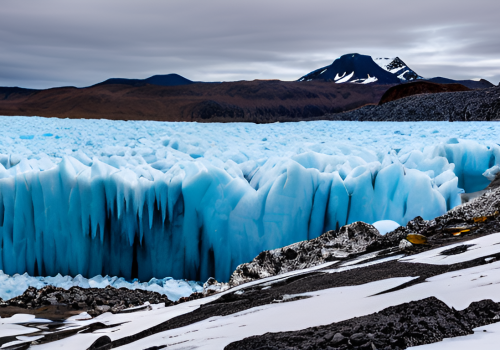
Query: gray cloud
{"x": 57, "y": 42}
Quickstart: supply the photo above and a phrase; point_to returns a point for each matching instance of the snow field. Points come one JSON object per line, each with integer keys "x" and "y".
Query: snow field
{"x": 188, "y": 200}
{"x": 457, "y": 289}
{"x": 476, "y": 248}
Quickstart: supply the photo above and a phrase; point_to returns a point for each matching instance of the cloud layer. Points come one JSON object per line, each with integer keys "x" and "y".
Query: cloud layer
{"x": 56, "y": 42}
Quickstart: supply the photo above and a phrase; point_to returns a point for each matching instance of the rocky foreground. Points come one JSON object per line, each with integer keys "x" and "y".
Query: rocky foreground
{"x": 58, "y": 303}
{"x": 416, "y": 323}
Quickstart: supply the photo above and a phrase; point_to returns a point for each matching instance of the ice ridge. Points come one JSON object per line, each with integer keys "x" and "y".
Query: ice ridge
{"x": 13, "y": 286}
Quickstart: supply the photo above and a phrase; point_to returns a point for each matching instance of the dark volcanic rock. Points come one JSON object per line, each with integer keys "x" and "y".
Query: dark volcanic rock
{"x": 416, "y": 323}
{"x": 495, "y": 183}
{"x": 95, "y": 301}
{"x": 474, "y": 105}
{"x": 457, "y": 250}
{"x": 350, "y": 241}
{"x": 418, "y": 87}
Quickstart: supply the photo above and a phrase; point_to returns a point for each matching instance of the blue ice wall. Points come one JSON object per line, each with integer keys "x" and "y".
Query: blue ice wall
{"x": 188, "y": 200}
{"x": 201, "y": 218}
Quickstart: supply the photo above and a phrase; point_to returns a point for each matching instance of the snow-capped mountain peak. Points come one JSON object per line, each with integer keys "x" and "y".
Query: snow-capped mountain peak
{"x": 396, "y": 66}
{"x": 353, "y": 68}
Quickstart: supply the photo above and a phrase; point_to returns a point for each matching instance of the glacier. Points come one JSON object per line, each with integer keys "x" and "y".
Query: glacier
{"x": 13, "y": 286}
{"x": 143, "y": 199}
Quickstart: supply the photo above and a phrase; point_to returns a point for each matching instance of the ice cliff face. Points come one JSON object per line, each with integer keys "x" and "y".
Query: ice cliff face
{"x": 185, "y": 206}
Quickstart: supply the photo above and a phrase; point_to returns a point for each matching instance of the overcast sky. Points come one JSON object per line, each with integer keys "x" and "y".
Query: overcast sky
{"x": 59, "y": 42}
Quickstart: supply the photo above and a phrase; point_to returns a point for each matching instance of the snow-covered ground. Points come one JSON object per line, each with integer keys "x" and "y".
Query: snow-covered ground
{"x": 457, "y": 289}
{"x": 192, "y": 200}
{"x": 475, "y": 248}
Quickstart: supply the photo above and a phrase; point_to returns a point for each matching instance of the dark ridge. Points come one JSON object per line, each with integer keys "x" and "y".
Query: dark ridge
{"x": 398, "y": 327}
{"x": 168, "y": 80}
{"x": 471, "y": 84}
{"x": 15, "y": 92}
{"x": 160, "y": 80}
{"x": 418, "y": 87}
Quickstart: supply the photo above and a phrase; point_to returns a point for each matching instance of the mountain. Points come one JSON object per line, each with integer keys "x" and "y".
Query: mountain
{"x": 471, "y": 84}
{"x": 353, "y": 68}
{"x": 363, "y": 69}
{"x": 161, "y": 80}
{"x": 397, "y": 67}
{"x": 244, "y": 101}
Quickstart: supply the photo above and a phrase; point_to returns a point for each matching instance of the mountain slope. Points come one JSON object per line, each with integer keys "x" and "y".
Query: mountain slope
{"x": 245, "y": 101}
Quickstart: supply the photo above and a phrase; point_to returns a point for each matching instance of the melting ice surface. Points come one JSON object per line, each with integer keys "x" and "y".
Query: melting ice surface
{"x": 187, "y": 200}
{"x": 12, "y": 286}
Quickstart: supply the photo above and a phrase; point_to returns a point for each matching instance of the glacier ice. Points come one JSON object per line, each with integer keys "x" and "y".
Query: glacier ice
{"x": 12, "y": 286}
{"x": 188, "y": 200}
{"x": 385, "y": 226}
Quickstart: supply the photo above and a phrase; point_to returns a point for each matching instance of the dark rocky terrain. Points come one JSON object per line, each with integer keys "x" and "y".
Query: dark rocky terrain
{"x": 254, "y": 296}
{"x": 245, "y": 101}
{"x": 415, "y": 323}
{"x": 59, "y": 303}
{"x": 474, "y": 105}
{"x": 418, "y": 87}
{"x": 350, "y": 241}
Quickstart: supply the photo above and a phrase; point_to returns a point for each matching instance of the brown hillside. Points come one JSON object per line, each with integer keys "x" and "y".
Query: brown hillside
{"x": 245, "y": 101}
{"x": 418, "y": 87}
